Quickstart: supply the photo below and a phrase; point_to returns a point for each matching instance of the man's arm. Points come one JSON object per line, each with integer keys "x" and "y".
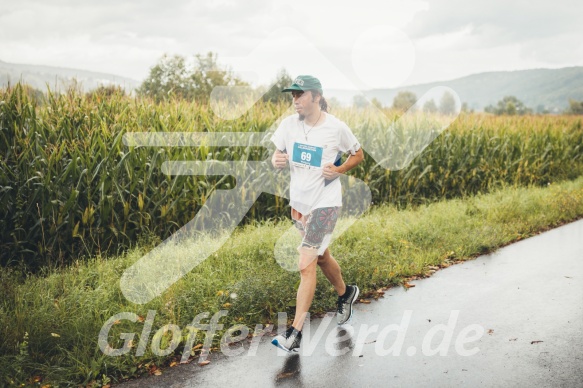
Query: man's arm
{"x": 331, "y": 171}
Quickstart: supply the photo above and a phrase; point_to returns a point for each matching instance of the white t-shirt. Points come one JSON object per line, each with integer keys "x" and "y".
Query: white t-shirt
{"x": 308, "y": 188}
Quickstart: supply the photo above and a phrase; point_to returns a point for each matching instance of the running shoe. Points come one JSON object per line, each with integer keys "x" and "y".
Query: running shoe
{"x": 344, "y": 303}
{"x": 289, "y": 341}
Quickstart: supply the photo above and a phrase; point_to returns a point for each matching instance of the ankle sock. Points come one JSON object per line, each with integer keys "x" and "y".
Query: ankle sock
{"x": 345, "y": 292}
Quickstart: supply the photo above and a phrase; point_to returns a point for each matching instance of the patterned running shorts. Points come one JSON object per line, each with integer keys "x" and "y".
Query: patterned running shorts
{"x": 316, "y": 228}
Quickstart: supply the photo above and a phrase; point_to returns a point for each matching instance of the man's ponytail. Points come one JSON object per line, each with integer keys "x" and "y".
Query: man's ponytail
{"x": 323, "y": 104}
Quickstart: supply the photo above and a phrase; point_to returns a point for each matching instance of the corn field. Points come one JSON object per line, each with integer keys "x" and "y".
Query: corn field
{"x": 70, "y": 187}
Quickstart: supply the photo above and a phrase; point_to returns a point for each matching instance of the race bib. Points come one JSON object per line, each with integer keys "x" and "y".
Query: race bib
{"x": 305, "y": 155}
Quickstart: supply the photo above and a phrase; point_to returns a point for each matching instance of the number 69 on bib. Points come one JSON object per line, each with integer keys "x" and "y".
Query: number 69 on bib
{"x": 307, "y": 155}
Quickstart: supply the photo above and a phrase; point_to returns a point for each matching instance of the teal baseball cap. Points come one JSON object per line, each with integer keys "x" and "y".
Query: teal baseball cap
{"x": 303, "y": 83}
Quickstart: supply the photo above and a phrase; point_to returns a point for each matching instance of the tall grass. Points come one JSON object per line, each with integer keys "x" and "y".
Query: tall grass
{"x": 69, "y": 187}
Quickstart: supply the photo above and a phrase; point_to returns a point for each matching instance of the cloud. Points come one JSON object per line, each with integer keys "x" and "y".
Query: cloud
{"x": 556, "y": 51}
{"x": 455, "y": 37}
{"x": 131, "y": 35}
{"x": 505, "y": 21}
{"x": 128, "y": 37}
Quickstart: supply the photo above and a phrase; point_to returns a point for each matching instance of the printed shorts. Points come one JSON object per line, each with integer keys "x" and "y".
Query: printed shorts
{"x": 316, "y": 228}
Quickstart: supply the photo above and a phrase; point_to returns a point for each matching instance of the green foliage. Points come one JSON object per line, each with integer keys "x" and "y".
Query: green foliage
{"x": 509, "y": 105}
{"x": 168, "y": 77}
{"x": 106, "y": 92}
{"x": 430, "y": 106}
{"x": 171, "y": 77}
{"x": 575, "y": 107}
{"x": 447, "y": 104}
{"x": 208, "y": 74}
{"x": 404, "y": 100}
{"x": 274, "y": 94}
{"x": 376, "y": 103}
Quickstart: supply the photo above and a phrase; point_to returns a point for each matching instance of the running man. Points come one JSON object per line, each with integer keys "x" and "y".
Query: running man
{"x": 312, "y": 142}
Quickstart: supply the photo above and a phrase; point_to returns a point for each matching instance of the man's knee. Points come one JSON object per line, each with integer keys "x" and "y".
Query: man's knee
{"x": 308, "y": 257}
{"x": 308, "y": 271}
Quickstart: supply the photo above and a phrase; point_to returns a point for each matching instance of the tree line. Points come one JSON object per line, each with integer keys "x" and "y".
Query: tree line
{"x": 174, "y": 77}
{"x": 508, "y": 105}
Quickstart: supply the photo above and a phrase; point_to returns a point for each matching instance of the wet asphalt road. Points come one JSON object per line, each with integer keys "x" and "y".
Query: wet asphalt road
{"x": 511, "y": 318}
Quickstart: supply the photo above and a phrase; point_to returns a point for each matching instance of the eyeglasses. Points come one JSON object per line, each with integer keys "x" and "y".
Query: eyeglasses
{"x": 297, "y": 94}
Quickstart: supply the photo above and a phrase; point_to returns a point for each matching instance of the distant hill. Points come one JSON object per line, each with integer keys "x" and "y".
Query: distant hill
{"x": 538, "y": 89}
{"x": 548, "y": 88}
{"x": 59, "y": 78}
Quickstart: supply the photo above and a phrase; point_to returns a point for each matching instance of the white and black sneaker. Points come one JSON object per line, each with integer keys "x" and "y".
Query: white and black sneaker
{"x": 344, "y": 303}
{"x": 289, "y": 341}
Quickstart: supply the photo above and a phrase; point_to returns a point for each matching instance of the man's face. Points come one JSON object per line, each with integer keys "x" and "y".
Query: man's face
{"x": 303, "y": 102}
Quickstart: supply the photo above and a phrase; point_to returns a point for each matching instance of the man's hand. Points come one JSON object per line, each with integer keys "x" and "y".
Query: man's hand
{"x": 330, "y": 171}
{"x": 279, "y": 159}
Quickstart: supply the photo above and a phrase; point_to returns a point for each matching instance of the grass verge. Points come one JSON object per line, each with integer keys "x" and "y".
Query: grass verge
{"x": 49, "y": 324}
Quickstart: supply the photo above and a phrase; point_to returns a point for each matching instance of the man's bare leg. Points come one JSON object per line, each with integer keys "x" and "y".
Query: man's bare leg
{"x": 306, "y": 289}
{"x": 332, "y": 271}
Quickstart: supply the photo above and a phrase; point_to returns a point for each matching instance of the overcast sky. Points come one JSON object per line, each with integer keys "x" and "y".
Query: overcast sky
{"x": 353, "y": 45}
